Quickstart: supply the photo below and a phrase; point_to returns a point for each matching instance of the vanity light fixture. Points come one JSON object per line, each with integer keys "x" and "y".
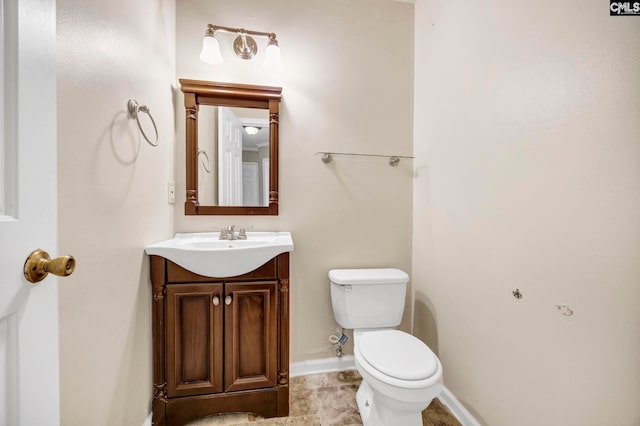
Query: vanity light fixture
{"x": 244, "y": 45}
{"x": 251, "y": 130}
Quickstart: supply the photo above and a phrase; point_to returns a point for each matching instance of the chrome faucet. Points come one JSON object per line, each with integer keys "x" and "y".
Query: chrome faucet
{"x": 229, "y": 233}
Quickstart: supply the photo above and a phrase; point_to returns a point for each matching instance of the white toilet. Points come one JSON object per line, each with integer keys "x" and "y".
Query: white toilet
{"x": 401, "y": 375}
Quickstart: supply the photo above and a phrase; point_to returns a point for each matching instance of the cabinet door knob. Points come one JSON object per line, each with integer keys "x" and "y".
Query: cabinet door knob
{"x": 227, "y": 300}
{"x": 216, "y": 301}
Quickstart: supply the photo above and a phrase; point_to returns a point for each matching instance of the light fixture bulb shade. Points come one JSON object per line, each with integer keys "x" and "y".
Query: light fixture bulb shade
{"x": 251, "y": 130}
{"x": 211, "y": 51}
{"x": 272, "y": 56}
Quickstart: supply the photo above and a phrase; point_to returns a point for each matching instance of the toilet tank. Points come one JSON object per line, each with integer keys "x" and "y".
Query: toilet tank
{"x": 368, "y": 298}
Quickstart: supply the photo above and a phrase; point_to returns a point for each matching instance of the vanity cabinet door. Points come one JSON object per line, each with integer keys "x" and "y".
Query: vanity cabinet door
{"x": 194, "y": 339}
{"x": 250, "y": 335}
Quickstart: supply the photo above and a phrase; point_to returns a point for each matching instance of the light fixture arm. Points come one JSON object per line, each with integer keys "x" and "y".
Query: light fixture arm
{"x": 211, "y": 29}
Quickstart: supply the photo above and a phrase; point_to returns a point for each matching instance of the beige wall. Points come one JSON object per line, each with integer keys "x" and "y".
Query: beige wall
{"x": 347, "y": 87}
{"x": 527, "y": 137}
{"x": 112, "y": 200}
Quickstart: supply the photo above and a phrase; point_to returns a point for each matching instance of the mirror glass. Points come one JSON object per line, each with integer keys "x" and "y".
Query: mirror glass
{"x": 233, "y": 156}
{"x": 231, "y": 148}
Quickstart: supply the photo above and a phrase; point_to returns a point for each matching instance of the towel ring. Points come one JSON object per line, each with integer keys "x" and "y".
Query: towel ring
{"x": 205, "y": 161}
{"x": 134, "y": 108}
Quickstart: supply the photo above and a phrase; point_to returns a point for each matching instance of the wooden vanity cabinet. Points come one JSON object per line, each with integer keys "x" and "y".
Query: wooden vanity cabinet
{"x": 220, "y": 345}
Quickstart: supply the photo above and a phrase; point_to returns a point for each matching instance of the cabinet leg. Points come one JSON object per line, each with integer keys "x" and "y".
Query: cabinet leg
{"x": 283, "y": 401}
{"x": 159, "y": 410}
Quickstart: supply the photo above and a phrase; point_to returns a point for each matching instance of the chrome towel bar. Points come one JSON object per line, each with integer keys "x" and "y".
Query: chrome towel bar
{"x": 327, "y": 156}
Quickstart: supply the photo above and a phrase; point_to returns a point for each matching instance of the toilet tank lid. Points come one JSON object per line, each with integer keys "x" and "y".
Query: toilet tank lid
{"x": 368, "y": 276}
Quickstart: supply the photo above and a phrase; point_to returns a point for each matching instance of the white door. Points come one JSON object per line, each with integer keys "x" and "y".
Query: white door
{"x": 250, "y": 192}
{"x": 29, "y": 383}
{"x": 229, "y": 158}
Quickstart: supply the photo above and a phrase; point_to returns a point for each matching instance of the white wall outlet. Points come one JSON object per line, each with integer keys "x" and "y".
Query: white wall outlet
{"x": 171, "y": 192}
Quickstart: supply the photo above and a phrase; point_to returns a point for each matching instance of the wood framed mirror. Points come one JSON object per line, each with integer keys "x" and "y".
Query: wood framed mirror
{"x": 231, "y": 148}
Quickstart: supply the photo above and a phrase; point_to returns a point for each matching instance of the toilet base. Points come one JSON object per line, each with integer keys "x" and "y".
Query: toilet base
{"x": 372, "y": 416}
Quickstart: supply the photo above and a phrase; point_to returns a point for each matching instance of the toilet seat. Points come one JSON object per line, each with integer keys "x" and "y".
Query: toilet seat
{"x": 396, "y": 355}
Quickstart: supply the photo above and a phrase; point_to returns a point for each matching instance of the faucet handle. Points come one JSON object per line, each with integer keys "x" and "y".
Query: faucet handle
{"x": 223, "y": 234}
{"x": 242, "y": 234}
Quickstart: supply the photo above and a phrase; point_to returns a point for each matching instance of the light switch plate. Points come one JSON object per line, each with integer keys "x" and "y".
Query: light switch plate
{"x": 171, "y": 192}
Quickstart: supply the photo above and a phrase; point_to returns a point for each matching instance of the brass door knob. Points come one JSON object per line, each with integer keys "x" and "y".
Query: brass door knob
{"x": 39, "y": 264}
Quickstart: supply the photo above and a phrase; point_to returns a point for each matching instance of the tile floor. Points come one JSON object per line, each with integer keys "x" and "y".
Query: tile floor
{"x": 324, "y": 400}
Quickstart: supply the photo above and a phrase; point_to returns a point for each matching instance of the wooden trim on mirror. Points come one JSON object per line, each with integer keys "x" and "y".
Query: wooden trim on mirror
{"x": 196, "y": 93}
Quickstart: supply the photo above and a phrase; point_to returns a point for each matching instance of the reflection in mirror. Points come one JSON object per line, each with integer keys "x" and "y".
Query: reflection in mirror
{"x": 233, "y": 144}
{"x": 231, "y": 148}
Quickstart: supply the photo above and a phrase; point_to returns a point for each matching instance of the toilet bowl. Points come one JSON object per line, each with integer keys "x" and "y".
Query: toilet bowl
{"x": 400, "y": 374}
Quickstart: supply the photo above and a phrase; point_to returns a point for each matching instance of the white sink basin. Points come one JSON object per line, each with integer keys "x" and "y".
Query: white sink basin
{"x": 204, "y": 254}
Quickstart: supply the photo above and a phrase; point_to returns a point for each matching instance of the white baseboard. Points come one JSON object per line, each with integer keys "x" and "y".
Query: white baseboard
{"x": 456, "y": 408}
{"x": 328, "y": 365}
{"x": 325, "y": 365}
{"x": 147, "y": 421}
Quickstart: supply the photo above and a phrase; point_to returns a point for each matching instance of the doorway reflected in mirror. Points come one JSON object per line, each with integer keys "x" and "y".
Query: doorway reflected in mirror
{"x": 236, "y": 143}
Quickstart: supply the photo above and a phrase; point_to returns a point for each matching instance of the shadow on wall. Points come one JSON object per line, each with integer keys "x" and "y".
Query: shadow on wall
{"x": 113, "y": 160}
{"x": 424, "y": 321}
{"x": 425, "y": 328}
{"x": 124, "y": 139}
